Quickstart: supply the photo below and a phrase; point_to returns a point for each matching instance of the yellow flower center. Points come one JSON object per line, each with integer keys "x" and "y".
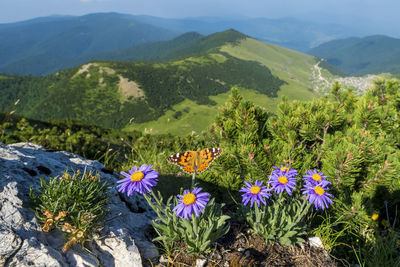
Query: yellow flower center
{"x": 284, "y": 169}
{"x": 189, "y": 199}
{"x": 319, "y": 190}
{"x": 375, "y": 217}
{"x": 283, "y": 179}
{"x": 137, "y": 176}
{"x": 255, "y": 190}
{"x": 316, "y": 177}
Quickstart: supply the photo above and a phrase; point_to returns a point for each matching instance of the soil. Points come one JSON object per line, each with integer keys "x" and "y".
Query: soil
{"x": 241, "y": 248}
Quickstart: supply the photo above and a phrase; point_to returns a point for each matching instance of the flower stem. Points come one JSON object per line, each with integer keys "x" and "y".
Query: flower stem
{"x": 154, "y": 207}
{"x": 193, "y": 179}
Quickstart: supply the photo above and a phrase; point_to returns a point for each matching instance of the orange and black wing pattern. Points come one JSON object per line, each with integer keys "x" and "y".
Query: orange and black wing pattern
{"x": 195, "y": 161}
{"x": 185, "y": 160}
{"x": 206, "y": 157}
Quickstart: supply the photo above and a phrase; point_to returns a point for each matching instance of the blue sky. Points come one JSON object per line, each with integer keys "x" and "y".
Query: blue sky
{"x": 382, "y": 13}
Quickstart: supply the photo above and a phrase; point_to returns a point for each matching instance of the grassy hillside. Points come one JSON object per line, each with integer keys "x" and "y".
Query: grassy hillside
{"x": 359, "y": 56}
{"x": 293, "y": 67}
{"x": 177, "y": 96}
{"x": 111, "y": 94}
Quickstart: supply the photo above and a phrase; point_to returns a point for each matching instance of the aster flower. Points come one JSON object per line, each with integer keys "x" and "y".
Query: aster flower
{"x": 318, "y": 194}
{"x": 314, "y": 177}
{"x": 280, "y": 181}
{"x": 139, "y": 180}
{"x": 286, "y": 169}
{"x": 191, "y": 202}
{"x": 255, "y": 193}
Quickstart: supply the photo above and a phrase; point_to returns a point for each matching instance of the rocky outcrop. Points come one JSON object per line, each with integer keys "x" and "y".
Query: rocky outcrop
{"x": 122, "y": 242}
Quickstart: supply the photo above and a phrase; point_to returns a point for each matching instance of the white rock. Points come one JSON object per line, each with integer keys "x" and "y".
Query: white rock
{"x": 163, "y": 259}
{"x": 9, "y": 245}
{"x": 123, "y": 241}
{"x": 201, "y": 262}
{"x": 315, "y": 241}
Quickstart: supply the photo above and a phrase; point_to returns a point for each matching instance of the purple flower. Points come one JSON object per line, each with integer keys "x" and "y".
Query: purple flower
{"x": 191, "y": 202}
{"x": 280, "y": 181}
{"x": 314, "y": 177}
{"x": 140, "y": 180}
{"x": 317, "y": 194}
{"x": 286, "y": 169}
{"x": 254, "y": 193}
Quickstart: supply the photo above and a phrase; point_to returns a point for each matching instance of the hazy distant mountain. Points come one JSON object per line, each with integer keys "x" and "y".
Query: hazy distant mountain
{"x": 358, "y": 56}
{"x": 44, "y": 45}
{"x": 297, "y": 34}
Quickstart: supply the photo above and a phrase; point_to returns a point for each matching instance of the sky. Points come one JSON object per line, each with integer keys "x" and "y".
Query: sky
{"x": 376, "y": 13}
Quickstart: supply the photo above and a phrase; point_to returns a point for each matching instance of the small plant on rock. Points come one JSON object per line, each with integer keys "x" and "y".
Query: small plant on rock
{"x": 74, "y": 204}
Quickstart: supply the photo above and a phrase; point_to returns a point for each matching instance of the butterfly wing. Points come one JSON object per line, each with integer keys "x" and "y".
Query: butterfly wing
{"x": 184, "y": 160}
{"x": 206, "y": 157}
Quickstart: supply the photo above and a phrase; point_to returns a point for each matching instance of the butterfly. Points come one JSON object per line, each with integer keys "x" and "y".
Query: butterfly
{"x": 195, "y": 161}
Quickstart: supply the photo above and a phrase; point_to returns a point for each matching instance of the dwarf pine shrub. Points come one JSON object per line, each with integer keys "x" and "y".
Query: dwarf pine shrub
{"x": 353, "y": 139}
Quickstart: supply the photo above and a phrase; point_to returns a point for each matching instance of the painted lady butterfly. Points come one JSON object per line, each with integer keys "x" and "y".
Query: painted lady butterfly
{"x": 195, "y": 161}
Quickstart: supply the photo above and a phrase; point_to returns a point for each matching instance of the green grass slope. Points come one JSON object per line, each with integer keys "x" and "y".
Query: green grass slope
{"x": 111, "y": 94}
{"x": 293, "y": 67}
{"x": 177, "y": 96}
{"x": 359, "y": 56}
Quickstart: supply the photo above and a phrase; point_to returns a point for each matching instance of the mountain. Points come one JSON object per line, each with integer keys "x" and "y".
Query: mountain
{"x": 359, "y": 56}
{"x": 45, "y": 45}
{"x": 179, "y": 95}
{"x": 190, "y": 43}
{"x": 297, "y": 34}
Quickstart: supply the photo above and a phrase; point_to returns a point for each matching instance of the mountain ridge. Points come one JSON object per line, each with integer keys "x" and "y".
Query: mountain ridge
{"x": 190, "y": 43}
{"x": 44, "y": 47}
{"x": 47, "y": 44}
{"x": 184, "y": 92}
{"x": 362, "y": 55}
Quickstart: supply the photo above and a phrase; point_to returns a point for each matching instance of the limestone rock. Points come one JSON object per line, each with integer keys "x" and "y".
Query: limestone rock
{"x": 315, "y": 241}
{"x": 123, "y": 240}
